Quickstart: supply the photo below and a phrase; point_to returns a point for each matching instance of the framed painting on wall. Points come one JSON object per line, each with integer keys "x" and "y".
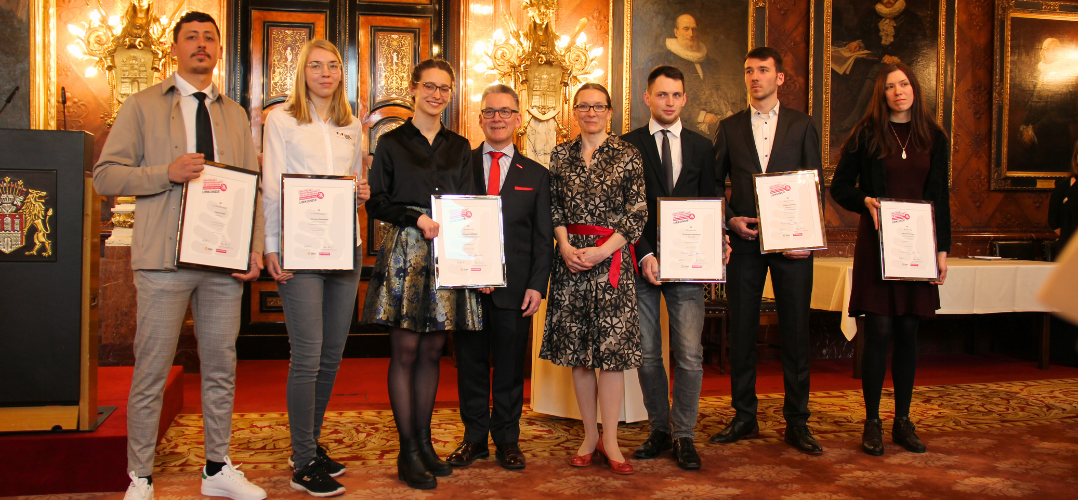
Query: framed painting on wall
{"x": 853, "y": 40}
{"x": 1035, "y": 110}
{"x": 706, "y": 39}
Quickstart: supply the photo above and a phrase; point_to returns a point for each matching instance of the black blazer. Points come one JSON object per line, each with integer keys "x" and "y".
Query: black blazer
{"x": 697, "y": 177}
{"x": 862, "y": 174}
{"x": 526, "y": 226}
{"x": 796, "y": 146}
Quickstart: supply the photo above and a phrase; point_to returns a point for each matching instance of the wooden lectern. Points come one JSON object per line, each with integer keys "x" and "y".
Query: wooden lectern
{"x": 49, "y": 252}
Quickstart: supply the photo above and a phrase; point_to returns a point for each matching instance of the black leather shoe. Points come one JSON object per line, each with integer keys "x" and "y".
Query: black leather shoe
{"x": 685, "y": 454}
{"x": 800, "y": 437}
{"x": 872, "y": 437}
{"x": 510, "y": 456}
{"x": 467, "y": 453}
{"x": 904, "y": 435}
{"x": 430, "y": 458}
{"x": 410, "y": 468}
{"x": 736, "y": 431}
{"x": 656, "y": 443}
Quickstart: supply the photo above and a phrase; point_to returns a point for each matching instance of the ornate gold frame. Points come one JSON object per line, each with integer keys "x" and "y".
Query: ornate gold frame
{"x": 42, "y": 64}
{"x": 822, "y": 115}
{"x": 627, "y": 58}
{"x": 1001, "y": 92}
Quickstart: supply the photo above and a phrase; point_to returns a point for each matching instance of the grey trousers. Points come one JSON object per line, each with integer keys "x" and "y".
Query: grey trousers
{"x": 162, "y": 302}
{"x": 685, "y": 308}
{"x": 318, "y": 311}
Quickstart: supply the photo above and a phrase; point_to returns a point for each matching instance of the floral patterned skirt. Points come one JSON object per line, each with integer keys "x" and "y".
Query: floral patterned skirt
{"x": 589, "y": 322}
{"x": 402, "y": 292}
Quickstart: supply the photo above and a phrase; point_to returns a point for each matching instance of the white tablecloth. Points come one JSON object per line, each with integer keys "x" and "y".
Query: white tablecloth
{"x": 973, "y": 286}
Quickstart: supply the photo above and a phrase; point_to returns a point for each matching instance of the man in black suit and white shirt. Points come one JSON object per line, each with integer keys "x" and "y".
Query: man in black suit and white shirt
{"x": 763, "y": 139}
{"x": 677, "y": 162}
{"x": 524, "y": 186}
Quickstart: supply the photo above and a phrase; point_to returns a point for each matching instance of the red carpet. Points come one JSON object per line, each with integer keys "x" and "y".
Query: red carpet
{"x": 37, "y": 463}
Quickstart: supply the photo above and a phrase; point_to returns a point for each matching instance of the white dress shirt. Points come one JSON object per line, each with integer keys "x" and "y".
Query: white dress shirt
{"x": 317, "y": 148}
{"x": 503, "y": 164}
{"x": 189, "y": 108}
{"x": 675, "y": 144}
{"x": 763, "y": 131}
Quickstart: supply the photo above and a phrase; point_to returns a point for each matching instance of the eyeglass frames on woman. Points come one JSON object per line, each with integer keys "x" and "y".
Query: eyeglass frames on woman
{"x": 584, "y": 108}
{"x": 430, "y": 88}
{"x": 505, "y": 113}
{"x": 318, "y": 67}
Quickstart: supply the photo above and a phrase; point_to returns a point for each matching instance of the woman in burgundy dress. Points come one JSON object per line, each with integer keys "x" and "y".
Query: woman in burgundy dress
{"x": 896, "y": 151}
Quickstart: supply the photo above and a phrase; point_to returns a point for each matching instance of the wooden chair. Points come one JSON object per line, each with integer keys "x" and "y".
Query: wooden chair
{"x": 716, "y": 334}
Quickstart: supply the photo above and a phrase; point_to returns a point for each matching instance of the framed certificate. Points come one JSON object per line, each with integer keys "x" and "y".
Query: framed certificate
{"x": 908, "y": 240}
{"x": 469, "y": 251}
{"x": 217, "y": 218}
{"x": 790, "y": 211}
{"x": 318, "y": 223}
{"x": 690, "y": 240}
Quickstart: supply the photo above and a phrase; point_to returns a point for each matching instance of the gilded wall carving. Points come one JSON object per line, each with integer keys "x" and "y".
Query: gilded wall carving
{"x": 285, "y": 43}
{"x": 393, "y": 55}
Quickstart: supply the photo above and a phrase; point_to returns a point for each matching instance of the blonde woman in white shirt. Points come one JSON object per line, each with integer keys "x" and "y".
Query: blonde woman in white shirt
{"x": 314, "y": 133}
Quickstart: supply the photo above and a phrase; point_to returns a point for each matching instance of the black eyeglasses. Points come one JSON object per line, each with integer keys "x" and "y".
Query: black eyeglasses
{"x": 506, "y": 113}
{"x": 584, "y": 108}
{"x": 430, "y": 88}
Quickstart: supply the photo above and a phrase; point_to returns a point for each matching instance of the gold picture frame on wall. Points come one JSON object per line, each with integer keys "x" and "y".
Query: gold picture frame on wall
{"x": 1035, "y": 98}
{"x": 852, "y": 40}
{"x": 710, "y": 55}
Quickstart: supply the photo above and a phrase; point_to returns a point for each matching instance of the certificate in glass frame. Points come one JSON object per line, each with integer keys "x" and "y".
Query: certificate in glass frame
{"x": 690, "y": 240}
{"x": 908, "y": 240}
{"x": 790, "y": 210}
{"x": 217, "y": 219}
{"x": 318, "y": 223}
{"x": 469, "y": 251}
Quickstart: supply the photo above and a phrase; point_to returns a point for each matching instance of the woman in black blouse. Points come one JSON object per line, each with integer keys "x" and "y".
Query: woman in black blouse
{"x": 1063, "y": 207}
{"x": 895, "y": 151}
{"x": 412, "y": 162}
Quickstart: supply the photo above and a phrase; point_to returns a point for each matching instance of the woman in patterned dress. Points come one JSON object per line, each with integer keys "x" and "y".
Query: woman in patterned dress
{"x": 599, "y": 209}
{"x": 418, "y": 159}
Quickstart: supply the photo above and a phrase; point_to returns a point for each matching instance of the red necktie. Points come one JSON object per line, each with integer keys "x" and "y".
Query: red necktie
{"x": 495, "y": 179}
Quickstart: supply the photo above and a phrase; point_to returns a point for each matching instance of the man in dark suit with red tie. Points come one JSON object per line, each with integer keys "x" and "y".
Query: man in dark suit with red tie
{"x": 766, "y": 138}
{"x": 524, "y": 186}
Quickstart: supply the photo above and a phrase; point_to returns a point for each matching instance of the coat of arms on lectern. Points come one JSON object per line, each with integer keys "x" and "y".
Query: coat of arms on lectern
{"x": 24, "y": 220}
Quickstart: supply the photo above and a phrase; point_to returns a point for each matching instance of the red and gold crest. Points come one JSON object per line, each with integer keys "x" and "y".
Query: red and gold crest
{"x": 22, "y": 212}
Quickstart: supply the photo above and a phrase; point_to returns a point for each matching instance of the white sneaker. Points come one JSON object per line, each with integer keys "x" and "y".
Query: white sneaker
{"x": 230, "y": 483}
{"x": 140, "y": 489}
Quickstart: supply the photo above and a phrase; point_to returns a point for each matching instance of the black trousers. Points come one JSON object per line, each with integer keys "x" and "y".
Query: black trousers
{"x": 792, "y": 282}
{"x": 503, "y": 341}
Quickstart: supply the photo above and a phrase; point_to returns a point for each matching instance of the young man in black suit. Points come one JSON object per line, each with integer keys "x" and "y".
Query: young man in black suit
{"x": 761, "y": 139}
{"x": 677, "y": 162}
{"x": 524, "y": 186}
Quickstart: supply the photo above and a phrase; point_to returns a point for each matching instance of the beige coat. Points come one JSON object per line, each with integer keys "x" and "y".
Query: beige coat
{"x": 147, "y": 136}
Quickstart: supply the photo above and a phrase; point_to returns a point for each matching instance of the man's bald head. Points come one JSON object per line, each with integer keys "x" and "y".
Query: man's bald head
{"x": 685, "y": 31}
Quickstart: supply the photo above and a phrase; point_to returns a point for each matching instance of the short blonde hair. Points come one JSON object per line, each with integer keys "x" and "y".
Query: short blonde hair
{"x": 340, "y": 110}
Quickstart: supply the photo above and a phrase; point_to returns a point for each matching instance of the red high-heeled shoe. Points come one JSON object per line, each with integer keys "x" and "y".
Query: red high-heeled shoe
{"x": 583, "y": 460}
{"x": 622, "y": 468}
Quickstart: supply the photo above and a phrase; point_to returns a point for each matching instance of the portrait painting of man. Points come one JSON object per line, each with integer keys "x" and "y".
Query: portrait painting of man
{"x": 1042, "y": 115}
{"x": 705, "y": 39}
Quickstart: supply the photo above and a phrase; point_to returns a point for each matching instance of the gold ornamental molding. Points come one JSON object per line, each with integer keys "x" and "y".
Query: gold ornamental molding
{"x": 42, "y": 64}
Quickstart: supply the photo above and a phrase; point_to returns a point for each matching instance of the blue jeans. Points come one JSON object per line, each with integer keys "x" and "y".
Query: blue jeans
{"x": 318, "y": 313}
{"x": 685, "y": 307}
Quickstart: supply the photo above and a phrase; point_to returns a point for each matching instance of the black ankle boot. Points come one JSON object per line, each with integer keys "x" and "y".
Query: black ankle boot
{"x": 431, "y": 461}
{"x": 872, "y": 437}
{"x": 904, "y": 435}
{"x": 410, "y": 468}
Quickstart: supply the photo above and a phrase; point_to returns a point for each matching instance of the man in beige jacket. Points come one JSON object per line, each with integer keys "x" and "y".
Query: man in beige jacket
{"x": 160, "y": 140}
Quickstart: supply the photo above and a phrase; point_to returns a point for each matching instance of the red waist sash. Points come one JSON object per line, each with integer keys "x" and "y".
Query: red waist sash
{"x": 605, "y": 233}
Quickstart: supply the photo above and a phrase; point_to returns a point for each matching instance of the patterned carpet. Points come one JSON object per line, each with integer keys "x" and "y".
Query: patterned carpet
{"x": 1003, "y": 440}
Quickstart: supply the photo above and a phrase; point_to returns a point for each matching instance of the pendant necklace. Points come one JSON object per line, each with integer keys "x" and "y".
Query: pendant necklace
{"x": 900, "y": 140}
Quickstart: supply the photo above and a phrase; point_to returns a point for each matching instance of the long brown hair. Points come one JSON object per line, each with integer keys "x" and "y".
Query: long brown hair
{"x": 878, "y": 115}
{"x": 339, "y": 109}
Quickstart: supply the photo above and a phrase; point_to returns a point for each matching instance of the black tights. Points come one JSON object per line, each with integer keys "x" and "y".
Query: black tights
{"x": 413, "y": 378}
{"x": 879, "y": 330}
